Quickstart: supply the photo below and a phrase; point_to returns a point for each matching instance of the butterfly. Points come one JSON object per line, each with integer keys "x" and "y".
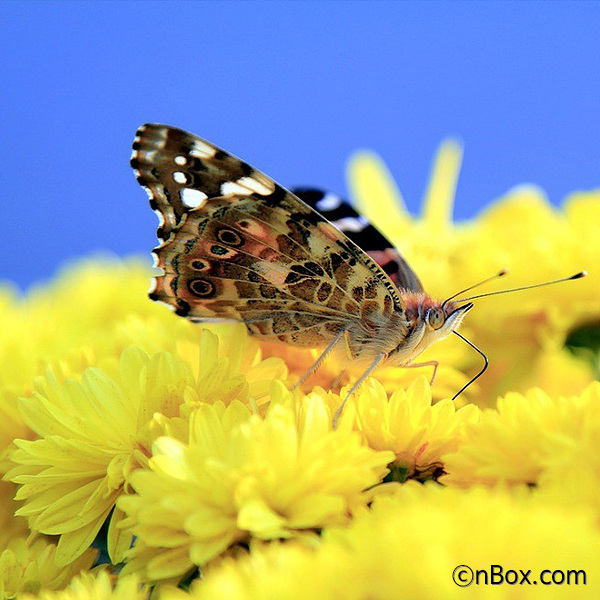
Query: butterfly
{"x": 235, "y": 245}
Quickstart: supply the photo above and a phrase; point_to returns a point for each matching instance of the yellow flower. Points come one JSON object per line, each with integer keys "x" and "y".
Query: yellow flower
{"x": 49, "y": 329}
{"x": 100, "y": 587}
{"x": 409, "y": 545}
{"x": 239, "y": 355}
{"x": 66, "y": 324}
{"x": 516, "y": 442}
{"x": 556, "y": 370}
{"x": 27, "y": 562}
{"x": 95, "y": 432}
{"x": 241, "y": 477}
{"x": 70, "y": 477}
{"x": 225, "y": 359}
{"x": 571, "y": 473}
{"x": 417, "y": 432}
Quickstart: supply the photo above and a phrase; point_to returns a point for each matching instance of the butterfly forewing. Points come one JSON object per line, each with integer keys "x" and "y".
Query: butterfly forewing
{"x": 236, "y": 245}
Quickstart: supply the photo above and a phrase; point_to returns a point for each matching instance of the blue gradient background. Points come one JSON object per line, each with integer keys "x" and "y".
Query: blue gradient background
{"x": 293, "y": 88}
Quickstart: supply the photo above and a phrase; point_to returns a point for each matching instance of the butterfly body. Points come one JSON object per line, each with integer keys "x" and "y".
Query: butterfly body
{"x": 238, "y": 246}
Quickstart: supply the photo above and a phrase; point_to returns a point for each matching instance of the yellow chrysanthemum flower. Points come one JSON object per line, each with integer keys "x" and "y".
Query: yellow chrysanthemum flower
{"x": 49, "y": 327}
{"x": 70, "y": 477}
{"x": 27, "y": 562}
{"x": 241, "y": 477}
{"x": 96, "y": 431}
{"x": 516, "y": 442}
{"x": 417, "y": 432}
{"x": 30, "y": 564}
{"x": 100, "y": 587}
{"x": 571, "y": 474}
{"x": 412, "y": 544}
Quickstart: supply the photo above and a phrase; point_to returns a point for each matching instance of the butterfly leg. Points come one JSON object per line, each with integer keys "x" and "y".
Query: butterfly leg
{"x": 429, "y": 363}
{"x": 321, "y": 358}
{"x": 371, "y": 368}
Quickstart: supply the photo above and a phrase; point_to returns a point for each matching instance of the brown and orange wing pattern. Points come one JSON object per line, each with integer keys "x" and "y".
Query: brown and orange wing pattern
{"x": 236, "y": 245}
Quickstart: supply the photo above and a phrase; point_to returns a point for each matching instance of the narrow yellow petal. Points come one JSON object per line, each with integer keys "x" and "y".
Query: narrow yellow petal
{"x": 169, "y": 563}
{"x": 376, "y": 195}
{"x": 438, "y": 203}
{"x": 119, "y": 538}
{"x": 74, "y": 544}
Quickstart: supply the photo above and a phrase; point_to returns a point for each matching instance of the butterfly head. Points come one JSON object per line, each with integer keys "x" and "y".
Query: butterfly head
{"x": 428, "y": 321}
{"x": 442, "y": 319}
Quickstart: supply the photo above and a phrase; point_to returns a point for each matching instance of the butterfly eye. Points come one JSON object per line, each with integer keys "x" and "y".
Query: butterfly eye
{"x": 435, "y": 318}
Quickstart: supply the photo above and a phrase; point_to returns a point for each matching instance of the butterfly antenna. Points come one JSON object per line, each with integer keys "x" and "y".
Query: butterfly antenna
{"x": 500, "y": 274}
{"x": 485, "y": 366}
{"x": 525, "y": 287}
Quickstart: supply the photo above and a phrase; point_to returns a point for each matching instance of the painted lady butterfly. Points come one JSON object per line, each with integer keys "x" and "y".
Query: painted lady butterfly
{"x": 238, "y": 246}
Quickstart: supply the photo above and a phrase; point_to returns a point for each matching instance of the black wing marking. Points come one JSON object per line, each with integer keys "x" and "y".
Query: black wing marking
{"x": 340, "y": 214}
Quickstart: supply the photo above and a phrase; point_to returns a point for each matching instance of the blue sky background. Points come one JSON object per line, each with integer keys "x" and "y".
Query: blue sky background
{"x": 293, "y": 88}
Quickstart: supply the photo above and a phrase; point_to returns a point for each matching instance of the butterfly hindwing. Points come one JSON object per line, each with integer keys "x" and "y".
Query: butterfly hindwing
{"x": 341, "y": 214}
{"x": 236, "y": 245}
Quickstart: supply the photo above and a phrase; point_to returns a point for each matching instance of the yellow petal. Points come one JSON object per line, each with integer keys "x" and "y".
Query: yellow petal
{"x": 438, "y": 202}
{"x": 376, "y": 195}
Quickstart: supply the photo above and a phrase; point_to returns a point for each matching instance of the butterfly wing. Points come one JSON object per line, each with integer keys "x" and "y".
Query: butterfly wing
{"x": 236, "y": 245}
{"x": 340, "y": 214}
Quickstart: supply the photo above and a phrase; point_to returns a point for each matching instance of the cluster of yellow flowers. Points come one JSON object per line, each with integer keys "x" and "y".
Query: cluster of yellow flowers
{"x": 139, "y": 451}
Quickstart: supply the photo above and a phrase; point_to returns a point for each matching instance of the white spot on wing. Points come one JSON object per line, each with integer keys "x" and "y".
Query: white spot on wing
{"x": 180, "y": 160}
{"x": 179, "y": 177}
{"x": 201, "y": 149}
{"x": 255, "y": 186}
{"x": 245, "y": 186}
{"x": 328, "y": 202}
{"x": 234, "y": 188}
{"x": 193, "y": 198}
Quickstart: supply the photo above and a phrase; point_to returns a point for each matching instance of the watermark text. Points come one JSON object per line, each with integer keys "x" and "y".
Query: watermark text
{"x": 464, "y": 576}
